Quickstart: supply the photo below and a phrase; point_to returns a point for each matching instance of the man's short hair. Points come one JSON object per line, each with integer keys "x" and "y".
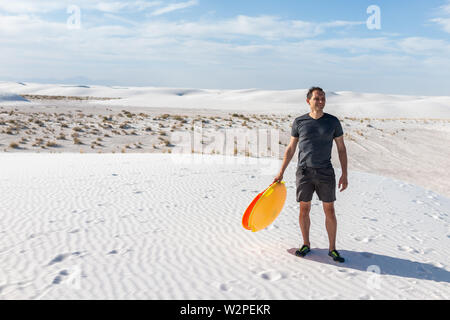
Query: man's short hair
{"x": 311, "y": 90}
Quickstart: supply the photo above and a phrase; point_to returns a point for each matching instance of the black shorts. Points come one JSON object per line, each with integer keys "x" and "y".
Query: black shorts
{"x": 321, "y": 180}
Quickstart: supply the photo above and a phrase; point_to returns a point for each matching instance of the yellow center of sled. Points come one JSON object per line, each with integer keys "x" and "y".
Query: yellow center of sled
{"x": 268, "y": 207}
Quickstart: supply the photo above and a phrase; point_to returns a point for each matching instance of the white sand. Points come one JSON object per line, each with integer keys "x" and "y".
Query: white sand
{"x": 146, "y": 225}
{"x": 341, "y": 104}
{"x": 402, "y": 137}
{"x": 141, "y": 226}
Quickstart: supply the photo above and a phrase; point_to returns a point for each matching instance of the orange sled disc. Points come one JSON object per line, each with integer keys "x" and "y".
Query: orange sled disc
{"x": 265, "y": 208}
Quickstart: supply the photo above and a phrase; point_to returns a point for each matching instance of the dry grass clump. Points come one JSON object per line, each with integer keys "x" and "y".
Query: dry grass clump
{"x": 106, "y": 126}
{"x": 14, "y": 145}
{"x": 182, "y": 119}
{"x": 51, "y": 144}
{"x": 349, "y": 137}
{"x": 39, "y": 123}
{"x": 96, "y": 143}
{"x": 166, "y": 142}
{"x": 76, "y": 140}
{"x": 11, "y": 131}
{"x": 95, "y": 132}
{"x": 77, "y": 98}
{"x": 38, "y": 142}
{"x": 61, "y": 136}
{"x": 125, "y": 126}
{"x": 244, "y": 124}
{"x": 241, "y": 116}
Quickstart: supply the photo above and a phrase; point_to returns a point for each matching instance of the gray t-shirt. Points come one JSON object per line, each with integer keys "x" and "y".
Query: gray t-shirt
{"x": 315, "y": 139}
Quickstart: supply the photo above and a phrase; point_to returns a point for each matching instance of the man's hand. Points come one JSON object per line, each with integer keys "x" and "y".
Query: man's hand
{"x": 343, "y": 182}
{"x": 278, "y": 178}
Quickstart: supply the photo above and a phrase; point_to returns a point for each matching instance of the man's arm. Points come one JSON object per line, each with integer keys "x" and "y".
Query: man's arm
{"x": 288, "y": 154}
{"x": 342, "y": 151}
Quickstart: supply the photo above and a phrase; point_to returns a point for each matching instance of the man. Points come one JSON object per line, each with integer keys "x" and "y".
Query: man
{"x": 314, "y": 133}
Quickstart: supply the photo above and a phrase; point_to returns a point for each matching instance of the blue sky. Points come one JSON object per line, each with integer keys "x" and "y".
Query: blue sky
{"x": 229, "y": 44}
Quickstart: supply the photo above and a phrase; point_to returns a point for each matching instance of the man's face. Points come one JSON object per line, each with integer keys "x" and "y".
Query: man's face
{"x": 317, "y": 100}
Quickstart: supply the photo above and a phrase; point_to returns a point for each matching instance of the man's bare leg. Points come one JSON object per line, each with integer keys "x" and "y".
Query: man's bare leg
{"x": 330, "y": 223}
{"x": 305, "y": 222}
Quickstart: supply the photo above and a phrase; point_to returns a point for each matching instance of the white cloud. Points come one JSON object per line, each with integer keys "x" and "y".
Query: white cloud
{"x": 261, "y": 27}
{"x": 444, "y": 23}
{"x": 45, "y": 6}
{"x": 444, "y": 17}
{"x": 121, "y": 19}
{"x": 174, "y": 7}
{"x": 259, "y": 44}
{"x": 24, "y": 26}
{"x": 424, "y": 46}
{"x": 31, "y": 6}
{"x": 111, "y": 6}
{"x": 117, "y": 6}
{"x": 446, "y": 8}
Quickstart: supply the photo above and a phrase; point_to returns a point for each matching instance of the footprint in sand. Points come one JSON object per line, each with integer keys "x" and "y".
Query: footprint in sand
{"x": 407, "y": 249}
{"x": 370, "y": 219}
{"x": 272, "y": 275}
{"x": 411, "y": 237}
{"x": 60, "y": 276}
{"x": 363, "y": 240}
{"x": 347, "y": 274}
{"x": 434, "y": 216}
{"x": 59, "y": 258}
{"x": 225, "y": 287}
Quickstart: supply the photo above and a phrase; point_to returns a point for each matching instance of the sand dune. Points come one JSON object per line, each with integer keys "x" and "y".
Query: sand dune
{"x": 141, "y": 226}
{"x": 97, "y": 204}
{"x": 343, "y": 103}
{"x": 11, "y": 97}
